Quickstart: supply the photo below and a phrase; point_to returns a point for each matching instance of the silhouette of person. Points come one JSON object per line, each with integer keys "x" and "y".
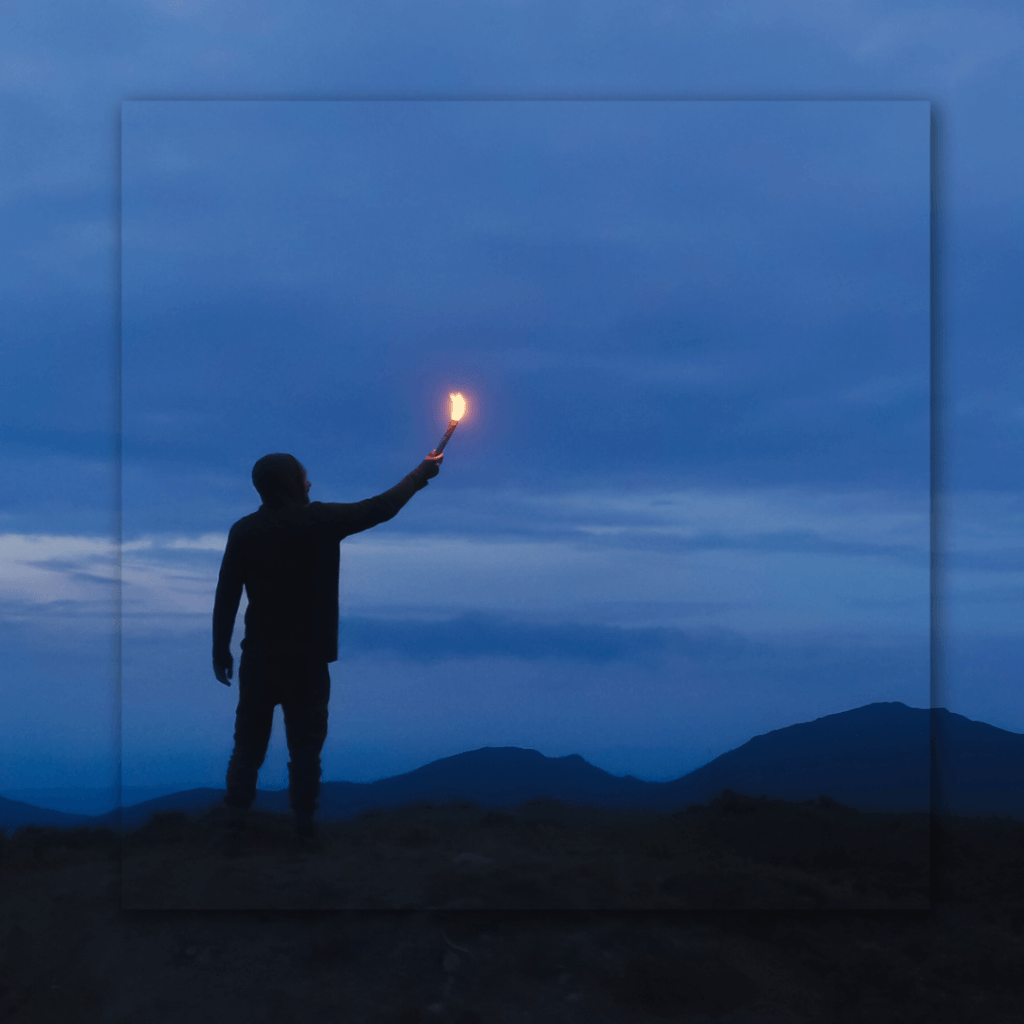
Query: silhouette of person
{"x": 287, "y": 557}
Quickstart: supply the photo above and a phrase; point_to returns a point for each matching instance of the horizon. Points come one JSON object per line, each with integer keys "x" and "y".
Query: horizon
{"x": 71, "y": 799}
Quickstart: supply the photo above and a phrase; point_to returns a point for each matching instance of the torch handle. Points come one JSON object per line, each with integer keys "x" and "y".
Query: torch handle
{"x": 447, "y": 435}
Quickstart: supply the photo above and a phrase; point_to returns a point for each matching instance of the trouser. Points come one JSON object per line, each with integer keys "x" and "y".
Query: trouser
{"x": 302, "y": 688}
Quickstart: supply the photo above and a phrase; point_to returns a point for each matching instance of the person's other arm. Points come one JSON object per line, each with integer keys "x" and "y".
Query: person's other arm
{"x": 225, "y": 607}
{"x": 362, "y": 515}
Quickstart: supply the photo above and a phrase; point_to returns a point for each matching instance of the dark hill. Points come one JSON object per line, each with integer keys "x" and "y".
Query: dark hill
{"x": 873, "y": 758}
{"x": 980, "y": 767}
{"x": 15, "y": 813}
{"x": 491, "y": 776}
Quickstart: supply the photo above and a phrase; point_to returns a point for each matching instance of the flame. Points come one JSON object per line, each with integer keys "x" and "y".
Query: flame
{"x": 458, "y": 405}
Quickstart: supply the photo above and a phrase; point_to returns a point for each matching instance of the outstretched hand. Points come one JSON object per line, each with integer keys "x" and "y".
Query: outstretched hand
{"x": 222, "y": 670}
{"x": 435, "y": 460}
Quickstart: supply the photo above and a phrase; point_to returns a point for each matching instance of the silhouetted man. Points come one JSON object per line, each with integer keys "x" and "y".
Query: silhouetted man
{"x": 286, "y": 555}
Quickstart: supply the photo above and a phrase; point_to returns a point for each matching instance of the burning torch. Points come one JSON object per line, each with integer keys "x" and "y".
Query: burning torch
{"x": 458, "y": 408}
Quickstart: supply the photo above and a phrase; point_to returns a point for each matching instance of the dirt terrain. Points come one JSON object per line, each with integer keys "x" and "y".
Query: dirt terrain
{"x": 737, "y": 853}
{"x": 69, "y": 952}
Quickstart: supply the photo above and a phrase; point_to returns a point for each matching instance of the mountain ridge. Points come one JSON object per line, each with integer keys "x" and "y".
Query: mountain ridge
{"x": 874, "y": 758}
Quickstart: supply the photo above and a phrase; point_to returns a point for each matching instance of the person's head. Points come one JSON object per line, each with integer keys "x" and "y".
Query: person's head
{"x": 281, "y": 480}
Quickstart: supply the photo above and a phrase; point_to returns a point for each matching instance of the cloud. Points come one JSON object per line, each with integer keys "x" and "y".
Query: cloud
{"x": 735, "y": 515}
{"x": 65, "y": 574}
{"x": 169, "y": 582}
{"x": 755, "y": 560}
{"x": 476, "y": 635}
{"x": 204, "y": 542}
{"x": 981, "y": 578}
{"x": 750, "y": 561}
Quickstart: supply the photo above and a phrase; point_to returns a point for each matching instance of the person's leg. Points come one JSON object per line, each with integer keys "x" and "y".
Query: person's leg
{"x": 305, "y": 722}
{"x": 254, "y": 719}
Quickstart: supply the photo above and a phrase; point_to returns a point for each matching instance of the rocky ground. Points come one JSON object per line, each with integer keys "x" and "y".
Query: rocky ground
{"x": 69, "y": 952}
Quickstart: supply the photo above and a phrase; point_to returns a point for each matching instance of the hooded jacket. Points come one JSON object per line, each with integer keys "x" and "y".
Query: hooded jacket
{"x": 287, "y": 556}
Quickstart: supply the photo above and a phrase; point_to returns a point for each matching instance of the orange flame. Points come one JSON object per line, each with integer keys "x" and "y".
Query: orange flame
{"x": 458, "y": 405}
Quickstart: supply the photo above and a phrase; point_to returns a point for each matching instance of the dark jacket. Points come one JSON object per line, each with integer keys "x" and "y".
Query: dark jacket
{"x": 286, "y": 555}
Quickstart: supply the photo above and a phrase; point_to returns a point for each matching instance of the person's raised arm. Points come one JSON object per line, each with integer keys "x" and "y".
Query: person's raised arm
{"x": 363, "y": 515}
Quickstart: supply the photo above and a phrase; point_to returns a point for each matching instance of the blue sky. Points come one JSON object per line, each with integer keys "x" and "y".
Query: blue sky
{"x": 763, "y": 515}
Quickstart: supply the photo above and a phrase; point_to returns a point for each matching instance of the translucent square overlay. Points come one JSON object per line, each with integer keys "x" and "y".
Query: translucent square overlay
{"x": 681, "y": 533}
